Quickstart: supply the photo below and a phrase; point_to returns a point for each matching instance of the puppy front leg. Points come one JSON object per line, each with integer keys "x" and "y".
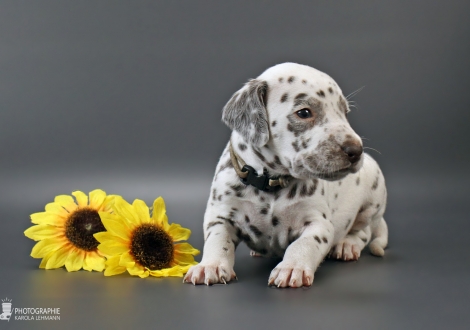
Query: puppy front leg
{"x": 218, "y": 259}
{"x": 303, "y": 256}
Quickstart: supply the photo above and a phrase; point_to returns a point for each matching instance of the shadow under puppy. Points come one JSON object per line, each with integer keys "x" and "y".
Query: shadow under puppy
{"x": 292, "y": 182}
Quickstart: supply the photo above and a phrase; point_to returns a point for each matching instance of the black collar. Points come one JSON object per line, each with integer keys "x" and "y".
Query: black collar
{"x": 249, "y": 176}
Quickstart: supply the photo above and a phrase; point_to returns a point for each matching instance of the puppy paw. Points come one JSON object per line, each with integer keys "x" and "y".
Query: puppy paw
{"x": 209, "y": 274}
{"x": 347, "y": 249}
{"x": 291, "y": 275}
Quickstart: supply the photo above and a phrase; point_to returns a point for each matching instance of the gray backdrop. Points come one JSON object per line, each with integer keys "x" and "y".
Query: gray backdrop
{"x": 126, "y": 96}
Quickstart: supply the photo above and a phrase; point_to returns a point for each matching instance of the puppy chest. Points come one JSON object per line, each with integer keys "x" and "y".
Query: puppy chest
{"x": 267, "y": 228}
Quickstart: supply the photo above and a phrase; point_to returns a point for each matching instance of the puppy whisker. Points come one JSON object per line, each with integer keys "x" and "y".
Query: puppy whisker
{"x": 354, "y": 93}
{"x": 372, "y": 149}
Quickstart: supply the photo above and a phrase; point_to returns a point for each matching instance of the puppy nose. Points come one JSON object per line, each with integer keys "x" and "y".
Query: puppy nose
{"x": 353, "y": 150}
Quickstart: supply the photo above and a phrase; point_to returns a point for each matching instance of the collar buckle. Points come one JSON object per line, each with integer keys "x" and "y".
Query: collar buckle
{"x": 258, "y": 181}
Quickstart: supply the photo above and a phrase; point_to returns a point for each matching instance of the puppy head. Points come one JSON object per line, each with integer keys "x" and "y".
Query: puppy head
{"x": 297, "y": 114}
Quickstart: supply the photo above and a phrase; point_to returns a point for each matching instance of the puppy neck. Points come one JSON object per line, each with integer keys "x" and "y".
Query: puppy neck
{"x": 259, "y": 158}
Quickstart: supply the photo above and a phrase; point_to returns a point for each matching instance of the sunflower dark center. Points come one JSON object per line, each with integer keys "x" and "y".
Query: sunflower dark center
{"x": 152, "y": 247}
{"x": 80, "y": 227}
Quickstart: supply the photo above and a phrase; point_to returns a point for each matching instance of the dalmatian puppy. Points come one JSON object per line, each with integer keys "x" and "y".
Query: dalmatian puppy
{"x": 293, "y": 181}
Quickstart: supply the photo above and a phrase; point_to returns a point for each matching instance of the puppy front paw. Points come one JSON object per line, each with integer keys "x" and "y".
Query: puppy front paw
{"x": 209, "y": 273}
{"x": 291, "y": 275}
{"x": 348, "y": 250}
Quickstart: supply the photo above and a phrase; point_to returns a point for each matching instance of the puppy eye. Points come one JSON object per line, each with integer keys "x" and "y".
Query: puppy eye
{"x": 304, "y": 113}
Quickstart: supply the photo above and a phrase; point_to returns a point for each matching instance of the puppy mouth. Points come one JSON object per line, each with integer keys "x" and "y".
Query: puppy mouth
{"x": 336, "y": 175}
{"x": 329, "y": 175}
{"x": 309, "y": 168}
{"x": 306, "y": 173}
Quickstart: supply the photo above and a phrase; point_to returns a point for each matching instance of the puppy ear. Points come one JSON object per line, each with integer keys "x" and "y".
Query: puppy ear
{"x": 246, "y": 112}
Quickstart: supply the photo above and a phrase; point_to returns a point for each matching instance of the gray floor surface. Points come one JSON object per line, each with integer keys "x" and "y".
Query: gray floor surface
{"x": 421, "y": 283}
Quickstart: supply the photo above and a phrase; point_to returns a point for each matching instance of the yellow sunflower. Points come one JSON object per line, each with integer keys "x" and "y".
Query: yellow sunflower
{"x": 65, "y": 231}
{"x": 142, "y": 244}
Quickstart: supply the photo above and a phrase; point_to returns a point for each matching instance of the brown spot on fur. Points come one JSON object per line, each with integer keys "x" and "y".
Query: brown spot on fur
{"x": 214, "y": 194}
{"x": 291, "y": 79}
{"x": 342, "y": 105}
{"x": 292, "y": 192}
{"x": 271, "y": 165}
{"x": 300, "y": 96}
{"x": 213, "y": 223}
{"x": 256, "y": 231}
{"x": 305, "y": 144}
{"x": 330, "y": 90}
{"x": 317, "y": 239}
{"x": 259, "y": 155}
{"x": 242, "y": 147}
{"x": 303, "y": 190}
{"x": 313, "y": 188}
{"x": 321, "y": 93}
{"x": 284, "y": 98}
{"x": 230, "y": 221}
{"x": 375, "y": 184}
{"x": 295, "y": 144}
{"x": 275, "y": 221}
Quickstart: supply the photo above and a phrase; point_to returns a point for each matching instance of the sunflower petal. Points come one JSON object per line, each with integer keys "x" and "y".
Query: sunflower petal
{"x": 95, "y": 261}
{"x": 56, "y": 209}
{"x": 46, "y": 246}
{"x": 40, "y": 232}
{"x": 159, "y": 213}
{"x": 144, "y": 274}
{"x": 46, "y": 218}
{"x": 127, "y": 260}
{"x": 58, "y": 258}
{"x": 184, "y": 259}
{"x": 136, "y": 270}
{"x": 45, "y": 260}
{"x": 66, "y": 202}
{"x": 173, "y": 271}
{"x": 178, "y": 233}
{"x": 105, "y": 236}
{"x": 74, "y": 260}
{"x": 142, "y": 210}
{"x": 86, "y": 266}
{"x": 112, "y": 248}
{"x": 115, "y": 227}
{"x": 112, "y": 267}
{"x": 82, "y": 198}
{"x": 186, "y": 248}
{"x": 126, "y": 211}
{"x": 97, "y": 198}
{"x": 107, "y": 203}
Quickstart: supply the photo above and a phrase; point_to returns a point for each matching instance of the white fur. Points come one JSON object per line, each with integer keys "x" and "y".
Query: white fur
{"x": 341, "y": 216}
